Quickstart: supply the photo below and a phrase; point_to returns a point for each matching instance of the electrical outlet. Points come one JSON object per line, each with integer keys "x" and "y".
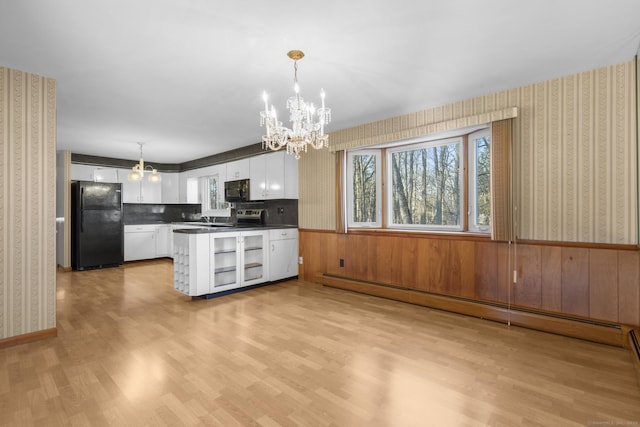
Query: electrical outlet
{"x": 341, "y": 262}
{"x": 300, "y": 260}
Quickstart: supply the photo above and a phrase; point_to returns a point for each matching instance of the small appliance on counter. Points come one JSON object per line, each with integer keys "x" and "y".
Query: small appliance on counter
{"x": 236, "y": 191}
{"x": 96, "y": 225}
{"x": 250, "y": 217}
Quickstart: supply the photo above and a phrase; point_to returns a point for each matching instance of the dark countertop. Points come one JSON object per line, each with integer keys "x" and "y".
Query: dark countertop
{"x": 226, "y": 229}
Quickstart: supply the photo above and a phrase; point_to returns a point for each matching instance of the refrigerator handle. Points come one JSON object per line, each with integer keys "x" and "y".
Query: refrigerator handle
{"x": 82, "y": 210}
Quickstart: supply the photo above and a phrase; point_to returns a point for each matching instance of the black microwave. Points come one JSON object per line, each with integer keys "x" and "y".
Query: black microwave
{"x": 236, "y": 191}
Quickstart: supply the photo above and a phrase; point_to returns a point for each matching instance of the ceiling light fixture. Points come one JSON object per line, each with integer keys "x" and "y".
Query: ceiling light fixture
{"x": 306, "y": 128}
{"x": 138, "y": 170}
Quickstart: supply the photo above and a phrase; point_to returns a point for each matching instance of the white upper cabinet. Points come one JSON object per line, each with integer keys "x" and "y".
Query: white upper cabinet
{"x": 93, "y": 173}
{"x": 273, "y": 176}
{"x": 290, "y": 177}
{"x": 238, "y": 169}
{"x": 139, "y": 191}
{"x": 150, "y": 192}
{"x": 170, "y": 187}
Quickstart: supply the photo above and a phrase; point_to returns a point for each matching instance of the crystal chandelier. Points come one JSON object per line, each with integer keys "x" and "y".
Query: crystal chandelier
{"x": 307, "y": 123}
{"x": 138, "y": 170}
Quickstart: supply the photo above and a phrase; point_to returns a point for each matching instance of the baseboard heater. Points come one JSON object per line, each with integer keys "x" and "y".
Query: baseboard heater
{"x": 587, "y": 329}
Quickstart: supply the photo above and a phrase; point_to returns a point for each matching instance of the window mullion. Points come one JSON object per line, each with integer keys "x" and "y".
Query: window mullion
{"x": 383, "y": 191}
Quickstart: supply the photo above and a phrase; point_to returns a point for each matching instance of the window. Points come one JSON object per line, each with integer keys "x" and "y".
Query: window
{"x": 426, "y": 187}
{"x": 210, "y": 193}
{"x": 480, "y": 181}
{"x": 363, "y": 193}
{"x": 424, "y": 190}
{"x": 211, "y": 200}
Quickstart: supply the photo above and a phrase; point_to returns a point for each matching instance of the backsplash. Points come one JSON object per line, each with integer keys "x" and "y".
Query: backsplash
{"x": 277, "y": 212}
{"x": 152, "y": 213}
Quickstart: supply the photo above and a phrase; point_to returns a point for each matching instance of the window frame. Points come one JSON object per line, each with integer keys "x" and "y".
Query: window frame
{"x": 349, "y": 196}
{"x": 205, "y": 201}
{"x": 388, "y": 182}
{"x": 473, "y": 182}
{"x": 384, "y": 199}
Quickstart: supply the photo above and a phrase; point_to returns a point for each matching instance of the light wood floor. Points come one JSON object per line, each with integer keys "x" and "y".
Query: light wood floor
{"x": 131, "y": 351}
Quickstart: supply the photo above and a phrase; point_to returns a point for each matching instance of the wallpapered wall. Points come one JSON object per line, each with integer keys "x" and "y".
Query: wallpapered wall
{"x": 27, "y": 203}
{"x": 575, "y": 156}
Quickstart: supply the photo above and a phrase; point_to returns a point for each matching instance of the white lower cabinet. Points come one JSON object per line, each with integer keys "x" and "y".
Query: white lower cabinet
{"x": 224, "y": 262}
{"x": 283, "y": 253}
{"x": 238, "y": 259}
{"x": 164, "y": 240}
{"x": 139, "y": 242}
{"x": 148, "y": 241}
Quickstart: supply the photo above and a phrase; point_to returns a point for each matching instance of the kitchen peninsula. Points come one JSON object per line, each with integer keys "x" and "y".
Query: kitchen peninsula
{"x": 213, "y": 259}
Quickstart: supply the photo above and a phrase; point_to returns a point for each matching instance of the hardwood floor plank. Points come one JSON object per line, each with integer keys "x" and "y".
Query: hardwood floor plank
{"x": 131, "y": 351}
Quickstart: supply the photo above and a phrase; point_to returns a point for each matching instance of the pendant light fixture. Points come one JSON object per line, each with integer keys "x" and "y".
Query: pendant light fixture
{"x": 307, "y": 123}
{"x": 138, "y": 170}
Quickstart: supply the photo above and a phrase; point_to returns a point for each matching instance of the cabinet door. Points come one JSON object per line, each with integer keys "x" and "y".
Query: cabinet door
{"x": 80, "y": 172}
{"x": 105, "y": 175}
{"x": 163, "y": 234}
{"x": 258, "y": 177}
{"x": 274, "y": 167}
{"x": 130, "y": 189}
{"x": 150, "y": 192}
{"x": 225, "y": 261}
{"x": 290, "y": 177}
{"x": 267, "y": 176}
{"x": 238, "y": 169}
{"x": 283, "y": 258}
{"x": 170, "y": 184}
{"x": 139, "y": 245}
{"x": 254, "y": 257}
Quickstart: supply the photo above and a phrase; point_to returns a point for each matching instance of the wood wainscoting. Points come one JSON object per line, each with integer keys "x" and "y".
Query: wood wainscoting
{"x": 599, "y": 283}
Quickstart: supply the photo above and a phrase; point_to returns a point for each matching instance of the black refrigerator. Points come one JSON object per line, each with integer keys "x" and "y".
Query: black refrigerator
{"x": 97, "y": 233}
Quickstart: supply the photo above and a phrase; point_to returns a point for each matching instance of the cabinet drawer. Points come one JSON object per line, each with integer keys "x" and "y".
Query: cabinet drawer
{"x": 143, "y": 228}
{"x": 283, "y": 233}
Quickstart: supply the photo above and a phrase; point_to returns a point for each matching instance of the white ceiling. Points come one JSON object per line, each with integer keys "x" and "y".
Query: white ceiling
{"x": 186, "y": 76}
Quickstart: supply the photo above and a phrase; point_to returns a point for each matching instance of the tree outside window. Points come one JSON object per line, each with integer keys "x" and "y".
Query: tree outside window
{"x": 363, "y": 169}
{"x": 424, "y": 185}
{"x": 480, "y": 180}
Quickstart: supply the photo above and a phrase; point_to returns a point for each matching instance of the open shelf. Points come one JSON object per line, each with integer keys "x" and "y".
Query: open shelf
{"x": 227, "y": 251}
{"x": 225, "y": 269}
{"x": 252, "y": 265}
